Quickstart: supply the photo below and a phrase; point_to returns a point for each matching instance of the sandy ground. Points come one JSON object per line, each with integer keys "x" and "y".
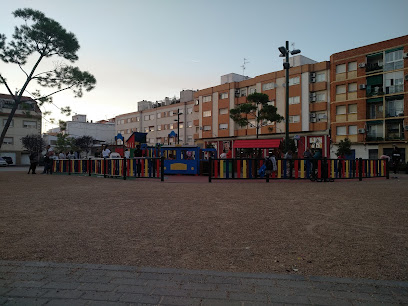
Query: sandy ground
{"x": 344, "y": 228}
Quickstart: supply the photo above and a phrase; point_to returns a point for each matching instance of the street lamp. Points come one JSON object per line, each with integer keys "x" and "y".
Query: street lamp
{"x": 178, "y": 125}
{"x": 285, "y": 53}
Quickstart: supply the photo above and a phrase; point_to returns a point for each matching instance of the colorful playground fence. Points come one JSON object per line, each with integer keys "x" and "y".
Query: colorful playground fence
{"x": 150, "y": 167}
{"x": 313, "y": 169}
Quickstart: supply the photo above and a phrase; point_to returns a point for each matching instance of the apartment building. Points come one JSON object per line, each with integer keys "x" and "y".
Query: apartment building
{"x": 161, "y": 119}
{"x": 369, "y": 100}
{"x": 309, "y": 108}
{"x": 26, "y": 121}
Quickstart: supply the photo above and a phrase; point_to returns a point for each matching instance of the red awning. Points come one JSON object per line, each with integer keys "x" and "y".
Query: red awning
{"x": 257, "y": 143}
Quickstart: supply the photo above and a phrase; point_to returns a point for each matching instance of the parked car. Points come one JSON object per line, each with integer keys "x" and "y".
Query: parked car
{"x": 3, "y": 163}
{"x": 8, "y": 159}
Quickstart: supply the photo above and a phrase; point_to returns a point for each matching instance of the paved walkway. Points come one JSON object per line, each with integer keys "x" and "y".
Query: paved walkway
{"x": 45, "y": 283}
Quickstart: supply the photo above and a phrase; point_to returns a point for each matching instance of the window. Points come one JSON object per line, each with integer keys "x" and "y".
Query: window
{"x": 224, "y": 95}
{"x": 271, "y": 103}
{"x": 321, "y": 76}
{"x": 207, "y": 128}
{"x": 352, "y": 66}
{"x": 8, "y": 140}
{"x": 207, "y": 113}
{"x": 171, "y": 126}
{"x": 341, "y": 110}
{"x": 341, "y": 130}
{"x": 394, "y": 82}
{"x": 243, "y": 92}
{"x": 207, "y": 99}
{"x": 294, "y": 81}
{"x": 137, "y": 119}
{"x": 223, "y": 111}
{"x": 268, "y": 86}
{"x": 159, "y": 127}
{"x": 340, "y": 89}
{"x": 375, "y": 131}
{"x": 11, "y": 123}
{"x": 223, "y": 126}
{"x": 341, "y": 68}
{"x": 128, "y": 120}
{"x": 322, "y": 116}
{"x": 146, "y": 117}
{"x": 190, "y": 138}
{"x": 171, "y": 113}
{"x": 158, "y": 115}
{"x": 151, "y": 140}
{"x": 352, "y": 109}
{"x": 146, "y": 130}
{"x": 164, "y": 114}
{"x": 320, "y": 96}
{"x": 294, "y": 119}
{"x": 352, "y": 130}
{"x": 352, "y": 87}
{"x": 252, "y": 90}
{"x": 294, "y": 100}
{"x": 189, "y": 110}
{"x": 395, "y": 108}
{"x": 393, "y": 60}
{"x": 189, "y": 124}
{"x": 30, "y": 124}
{"x": 151, "y": 117}
{"x": 127, "y": 131}
{"x": 181, "y": 125}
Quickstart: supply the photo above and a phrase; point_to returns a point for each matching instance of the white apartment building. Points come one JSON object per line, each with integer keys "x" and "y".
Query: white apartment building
{"x": 159, "y": 119}
{"x": 26, "y": 121}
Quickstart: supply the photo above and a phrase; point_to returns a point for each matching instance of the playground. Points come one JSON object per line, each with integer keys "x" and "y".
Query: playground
{"x": 344, "y": 229}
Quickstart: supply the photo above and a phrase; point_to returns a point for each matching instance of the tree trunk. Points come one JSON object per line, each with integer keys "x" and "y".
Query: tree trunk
{"x": 10, "y": 117}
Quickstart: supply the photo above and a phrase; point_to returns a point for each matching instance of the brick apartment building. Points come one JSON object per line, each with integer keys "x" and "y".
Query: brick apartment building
{"x": 309, "y": 115}
{"x": 369, "y": 101}
{"x": 160, "y": 119}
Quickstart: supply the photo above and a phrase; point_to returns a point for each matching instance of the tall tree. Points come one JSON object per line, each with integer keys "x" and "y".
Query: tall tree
{"x": 33, "y": 143}
{"x": 65, "y": 143}
{"x": 256, "y": 108}
{"x": 42, "y": 37}
{"x": 84, "y": 143}
{"x": 344, "y": 147}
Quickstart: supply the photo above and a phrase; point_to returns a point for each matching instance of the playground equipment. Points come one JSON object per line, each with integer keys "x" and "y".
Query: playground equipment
{"x": 186, "y": 159}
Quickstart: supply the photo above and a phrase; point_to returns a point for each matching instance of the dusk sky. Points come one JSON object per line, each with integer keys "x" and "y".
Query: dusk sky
{"x": 155, "y": 48}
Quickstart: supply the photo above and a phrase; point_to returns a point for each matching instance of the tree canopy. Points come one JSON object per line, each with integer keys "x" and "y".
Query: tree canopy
{"x": 344, "y": 147}
{"x": 256, "y": 108}
{"x": 42, "y": 37}
{"x": 33, "y": 143}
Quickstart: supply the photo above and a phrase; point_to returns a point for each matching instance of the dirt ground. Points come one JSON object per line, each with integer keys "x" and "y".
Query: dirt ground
{"x": 343, "y": 228}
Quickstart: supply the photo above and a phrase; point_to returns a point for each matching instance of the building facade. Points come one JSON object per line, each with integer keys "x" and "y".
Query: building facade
{"x": 368, "y": 98}
{"x": 309, "y": 107}
{"x": 26, "y": 121}
{"x": 160, "y": 119}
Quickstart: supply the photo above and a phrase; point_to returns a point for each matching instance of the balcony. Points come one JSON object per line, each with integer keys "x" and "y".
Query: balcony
{"x": 375, "y": 109}
{"x": 394, "y": 130}
{"x": 394, "y": 106}
{"x": 373, "y": 91}
{"x": 374, "y": 63}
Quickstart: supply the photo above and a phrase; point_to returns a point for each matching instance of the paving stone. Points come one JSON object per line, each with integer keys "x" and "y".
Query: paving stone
{"x": 101, "y": 296}
{"x": 122, "y": 274}
{"x": 208, "y": 294}
{"x": 140, "y": 298}
{"x": 134, "y": 289}
{"x": 198, "y": 286}
{"x": 213, "y": 302}
{"x": 62, "y": 285}
{"x": 155, "y": 276}
{"x": 317, "y": 300}
{"x": 4, "y": 290}
{"x": 67, "y": 302}
{"x": 170, "y": 292}
{"x": 248, "y": 297}
{"x": 22, "y": 276}
{"x": 172, "y": 300}
{"x": 95, "y": 279}
{"x": 6, "y": 268}
{"x": 89, "y": 272}
{"x": 235, "y": 288}
{"x": 25, "y": 301}
{"x": 189, "y": 278}
{"x": 353, "y": 295}
{"x": 293, "y": 284}
{"x": 222, "y": 280}
{"x": 97, "y": 287}
{"x": 27, "y": 292}
{"x": 259, "y": 282}
{"x": 330, "y": 286}
{"x": 162, "y": 284}
{"x": 129, "y": 281}
{"x": 106, "y": 303}
{"x": 63, "y": 294}
{"x": 27, "y": 284}
{"x": 289, "y": 299}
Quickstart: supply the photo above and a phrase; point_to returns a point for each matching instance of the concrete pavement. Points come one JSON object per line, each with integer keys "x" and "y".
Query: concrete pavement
{"x": 47, "y": 283}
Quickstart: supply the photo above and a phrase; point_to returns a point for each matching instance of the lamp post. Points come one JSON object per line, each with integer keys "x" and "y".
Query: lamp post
{"x": 285, "y": 53}
{"x": 178, "y": 125}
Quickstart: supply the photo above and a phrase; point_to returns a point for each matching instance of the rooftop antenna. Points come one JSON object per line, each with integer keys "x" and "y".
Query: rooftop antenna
{"x": 244, "y": 67}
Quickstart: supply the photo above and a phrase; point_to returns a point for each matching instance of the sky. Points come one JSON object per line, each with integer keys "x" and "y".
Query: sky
{"x": 152, "y": 49}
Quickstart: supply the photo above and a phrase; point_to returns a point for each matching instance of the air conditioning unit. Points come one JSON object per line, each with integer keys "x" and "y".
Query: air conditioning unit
{"x": 405, "y": 56}
{"x": 312, "y": 79}
{"x": 362, "y": 65}
{"x": 363, "y": 86}
{"x": 313, "y": 120}
{"x": 324, "y": 116}
{"x": 237, "y": 93}
{"x": 197, "y": 102}
{"x": 406, "y": 127}
{"x": 406, "y": 77}
{"x": 312, "y": 115}
{"x": 312, "y": 97}
{"x": 361, "y": 131}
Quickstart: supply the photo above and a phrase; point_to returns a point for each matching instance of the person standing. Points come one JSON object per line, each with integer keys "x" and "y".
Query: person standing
{"x": 106, "y": 152}
{"x": 138, "y": 153}
{"x": 127, "y": 153}
{"x": 48, "y": 159}
{"x": 395, "y": 157}
{"x": 33, "y": 162}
